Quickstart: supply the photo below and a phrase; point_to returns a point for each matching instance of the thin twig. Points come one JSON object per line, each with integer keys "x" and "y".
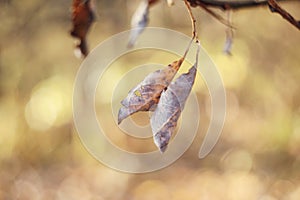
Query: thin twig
{"x": 215, "y": 15}
{"x": 197, "y": 53}
{"x": 274, "y": 7}
{"x": 188, "y": 48}
{"x": 194, "y": 34}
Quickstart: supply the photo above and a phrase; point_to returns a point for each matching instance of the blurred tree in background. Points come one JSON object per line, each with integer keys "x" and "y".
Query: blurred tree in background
{"x": 41, "y": 157}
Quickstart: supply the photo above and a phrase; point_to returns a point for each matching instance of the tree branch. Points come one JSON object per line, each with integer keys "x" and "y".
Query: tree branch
{"x": 274, "y": 7}
{"x": 230, "y": 4}
{"x": 238, "y": 4}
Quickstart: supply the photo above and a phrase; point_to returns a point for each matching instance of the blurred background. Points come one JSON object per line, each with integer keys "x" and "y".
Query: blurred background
{"x": 41, "y": 156}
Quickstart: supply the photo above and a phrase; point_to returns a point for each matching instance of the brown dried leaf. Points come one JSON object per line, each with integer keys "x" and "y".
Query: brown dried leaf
{"x": 171, "y": 104}
{"x": 151, "y": 2}
{"x": 147, "y": 93}
{"x": 82, "y": 18}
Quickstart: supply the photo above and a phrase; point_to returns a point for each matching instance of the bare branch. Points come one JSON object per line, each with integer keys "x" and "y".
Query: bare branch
{"x": 274, "y": 7}
{"x": 238, "y": 4}
{"x": 215, "y": 15}
{"x": 230, "y": 4}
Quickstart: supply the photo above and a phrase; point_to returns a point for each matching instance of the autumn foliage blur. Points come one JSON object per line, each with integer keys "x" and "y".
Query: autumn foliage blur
{"x": 82, "y": 18}
{"x": 41, "y": 156}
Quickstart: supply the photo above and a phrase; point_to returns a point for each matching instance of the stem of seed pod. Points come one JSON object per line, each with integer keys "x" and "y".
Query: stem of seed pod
{"x": 194, "y": 33}
{"x": 197, "y": 53}
{"x": 188, "y": 48}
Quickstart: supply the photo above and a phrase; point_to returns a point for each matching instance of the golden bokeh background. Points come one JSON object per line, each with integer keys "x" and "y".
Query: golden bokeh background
{"x": 41, "y": 156}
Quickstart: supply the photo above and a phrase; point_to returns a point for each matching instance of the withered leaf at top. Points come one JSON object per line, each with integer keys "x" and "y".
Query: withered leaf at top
{"x": 139, "y": 21}
{"x": 147, "y": 93}
{"x": 168, "y": 110}
{"x": 82, "y": 18}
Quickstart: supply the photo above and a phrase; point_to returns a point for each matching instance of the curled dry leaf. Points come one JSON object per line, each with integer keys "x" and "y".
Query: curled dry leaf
{"x": 82, "y": 18}
{"x": 139, "y": 21}
{"x": 147, "y": 93}
{"x": 171, "y": 104}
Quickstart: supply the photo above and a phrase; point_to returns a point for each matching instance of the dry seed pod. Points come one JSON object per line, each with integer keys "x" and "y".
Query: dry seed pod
{"x": 147, "y": 93}
{"x": 171, "y": 104}
{"x": 168, "y": 110}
